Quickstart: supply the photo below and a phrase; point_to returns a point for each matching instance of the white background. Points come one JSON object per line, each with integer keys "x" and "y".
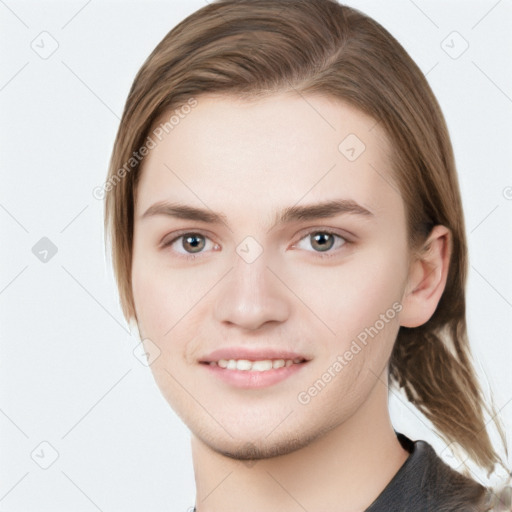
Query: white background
{"x": 68, "y": 374}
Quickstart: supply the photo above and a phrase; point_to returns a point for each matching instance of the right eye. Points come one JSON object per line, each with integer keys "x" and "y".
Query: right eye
{"x": 189, "y": 244}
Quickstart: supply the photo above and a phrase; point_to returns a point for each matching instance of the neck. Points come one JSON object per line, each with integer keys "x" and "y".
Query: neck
{"x": 345, "y": 469}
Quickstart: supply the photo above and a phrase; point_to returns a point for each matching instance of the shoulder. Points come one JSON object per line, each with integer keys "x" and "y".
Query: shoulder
{"x": 444, "y": 488}
{"x": 425, "y": 483}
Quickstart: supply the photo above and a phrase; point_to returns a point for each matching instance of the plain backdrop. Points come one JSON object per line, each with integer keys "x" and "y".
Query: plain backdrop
{"x": 83, "y": 426}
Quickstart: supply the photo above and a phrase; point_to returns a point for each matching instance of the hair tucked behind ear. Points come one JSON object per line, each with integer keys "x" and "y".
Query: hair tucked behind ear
{"x": 248, "y": 47}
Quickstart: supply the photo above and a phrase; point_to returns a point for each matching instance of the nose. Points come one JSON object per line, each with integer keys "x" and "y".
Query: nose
{"x": 251, "y": 296}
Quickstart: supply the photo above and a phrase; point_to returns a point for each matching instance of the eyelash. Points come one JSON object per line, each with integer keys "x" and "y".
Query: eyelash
{"x": 328, "y": 254}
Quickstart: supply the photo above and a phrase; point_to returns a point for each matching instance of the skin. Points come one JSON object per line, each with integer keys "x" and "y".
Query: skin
{"x": 261, "y": 449}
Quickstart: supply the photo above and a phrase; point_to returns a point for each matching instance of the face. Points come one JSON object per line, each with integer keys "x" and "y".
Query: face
{"x": 268, "y": 230}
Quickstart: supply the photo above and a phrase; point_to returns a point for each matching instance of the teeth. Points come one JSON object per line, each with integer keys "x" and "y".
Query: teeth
{"x": 258, "y": 366}
{"x": 261, "y": 366}
{"x": 243, "y": 364}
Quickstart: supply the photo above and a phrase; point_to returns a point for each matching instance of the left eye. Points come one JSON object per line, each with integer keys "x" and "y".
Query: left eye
{"x": 322, "y": 241}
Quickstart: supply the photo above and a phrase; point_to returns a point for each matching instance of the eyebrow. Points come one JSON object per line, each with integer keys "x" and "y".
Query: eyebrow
{"x": 288, "y": 215}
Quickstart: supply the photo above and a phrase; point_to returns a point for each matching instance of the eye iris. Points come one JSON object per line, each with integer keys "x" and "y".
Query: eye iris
{"x": 195, "y": 241}
{"x": 325, "y": 241}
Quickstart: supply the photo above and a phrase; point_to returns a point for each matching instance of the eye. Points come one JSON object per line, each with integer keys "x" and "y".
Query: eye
{"x": 322, "y": 241}
{"x": 189, "y": 244}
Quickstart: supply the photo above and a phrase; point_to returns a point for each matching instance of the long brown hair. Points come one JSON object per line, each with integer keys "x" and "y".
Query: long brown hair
{"x": 256, "y": 47}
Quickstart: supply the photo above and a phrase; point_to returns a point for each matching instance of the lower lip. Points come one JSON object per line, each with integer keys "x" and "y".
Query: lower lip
{"x": 254, "y": 379}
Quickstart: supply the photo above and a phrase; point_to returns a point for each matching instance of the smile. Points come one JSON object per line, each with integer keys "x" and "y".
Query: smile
{"x": 246, "y": 374}
{"x": 258, "y": 366}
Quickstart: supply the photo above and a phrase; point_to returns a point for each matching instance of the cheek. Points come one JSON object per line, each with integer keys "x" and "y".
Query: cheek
{"x": 168, "y": 301}
{"x": 374, "y": 287}
{"x": 347, "y": 298}
{"x": 157, "y": 302}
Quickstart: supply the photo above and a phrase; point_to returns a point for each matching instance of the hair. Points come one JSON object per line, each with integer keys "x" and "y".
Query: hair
{"x": 250, "y": 48}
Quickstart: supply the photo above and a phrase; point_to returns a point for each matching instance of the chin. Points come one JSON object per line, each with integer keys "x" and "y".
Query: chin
{"x": 258, "y": 450}
{"x": 250, "y": 447}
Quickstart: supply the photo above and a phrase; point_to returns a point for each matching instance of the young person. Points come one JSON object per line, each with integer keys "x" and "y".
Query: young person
{"x": 288, "y": 238}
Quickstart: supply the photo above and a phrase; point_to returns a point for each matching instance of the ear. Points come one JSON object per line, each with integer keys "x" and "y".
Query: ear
{"x": 426, "y": 281}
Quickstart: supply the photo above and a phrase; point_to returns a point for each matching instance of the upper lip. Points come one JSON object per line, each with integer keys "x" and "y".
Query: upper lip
{"x": 252, "y": 354}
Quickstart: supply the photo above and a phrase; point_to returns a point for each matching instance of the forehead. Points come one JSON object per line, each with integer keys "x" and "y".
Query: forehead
{"x": 267, "y": 152}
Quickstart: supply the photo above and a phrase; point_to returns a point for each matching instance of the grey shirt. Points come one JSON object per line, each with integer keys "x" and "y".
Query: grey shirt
{"x": 425, "y": 483}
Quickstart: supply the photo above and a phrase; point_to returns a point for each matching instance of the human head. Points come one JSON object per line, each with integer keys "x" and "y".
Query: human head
{"x": 250, "y": 49}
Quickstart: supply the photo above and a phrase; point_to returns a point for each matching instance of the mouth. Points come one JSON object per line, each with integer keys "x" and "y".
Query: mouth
{"x": 258, "y": 365}
{"x": 243, "y": 369}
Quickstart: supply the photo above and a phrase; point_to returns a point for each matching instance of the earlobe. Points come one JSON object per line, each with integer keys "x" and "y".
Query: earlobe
{"x": 426, "y": 282}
